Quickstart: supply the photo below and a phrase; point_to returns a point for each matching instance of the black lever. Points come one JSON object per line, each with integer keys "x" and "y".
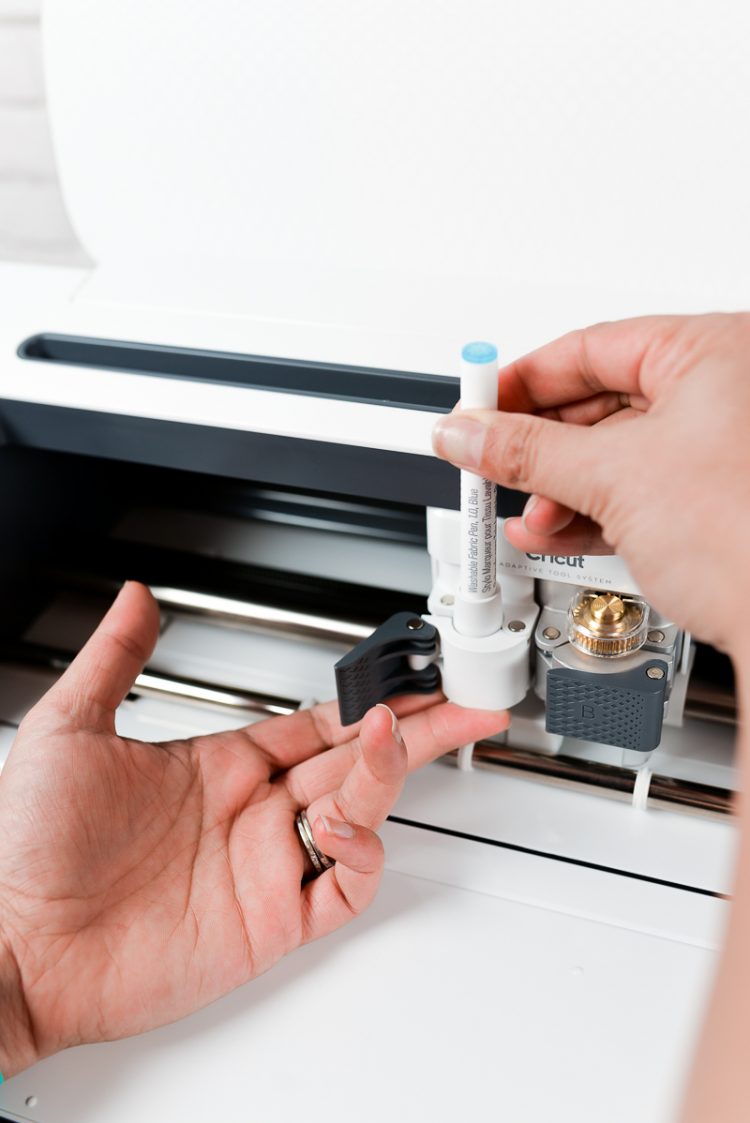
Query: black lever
{"x": 378, "y": 667}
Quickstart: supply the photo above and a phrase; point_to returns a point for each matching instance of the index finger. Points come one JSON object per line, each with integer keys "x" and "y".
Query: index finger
{"x": 606, "y": 356}
{"x": 429, "y": 733}
{"x": 289, "y": 740}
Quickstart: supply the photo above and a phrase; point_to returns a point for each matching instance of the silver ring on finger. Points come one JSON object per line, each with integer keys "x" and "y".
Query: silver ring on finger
{"x": 320, "y": 862}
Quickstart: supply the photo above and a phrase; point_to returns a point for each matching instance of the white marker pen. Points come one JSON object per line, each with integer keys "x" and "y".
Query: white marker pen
{"x": 479, "y": 609}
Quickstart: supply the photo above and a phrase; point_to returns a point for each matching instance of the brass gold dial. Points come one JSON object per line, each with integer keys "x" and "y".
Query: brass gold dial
{"x": 607, "y": 624}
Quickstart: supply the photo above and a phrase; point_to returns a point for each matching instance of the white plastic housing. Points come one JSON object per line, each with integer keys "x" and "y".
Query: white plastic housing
{"x": 491, "y": 671}
{"x": 387, "y": 167}
{"x": 486, "y": 672}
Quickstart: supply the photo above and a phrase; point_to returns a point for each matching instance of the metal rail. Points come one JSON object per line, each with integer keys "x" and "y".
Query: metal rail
{"x": 154, "y": 684}
{"x": 261, "y": 615}
{"x": 606, "y": 779}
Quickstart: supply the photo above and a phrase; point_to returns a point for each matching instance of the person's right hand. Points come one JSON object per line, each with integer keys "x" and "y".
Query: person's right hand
{"x": 633, "y": 438}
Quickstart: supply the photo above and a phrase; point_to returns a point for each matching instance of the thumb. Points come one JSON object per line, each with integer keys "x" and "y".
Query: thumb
{"x": 571, "y": 464}
{"x": 100, "y": 676}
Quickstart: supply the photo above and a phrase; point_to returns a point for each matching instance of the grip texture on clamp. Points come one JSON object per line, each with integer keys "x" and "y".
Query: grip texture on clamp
{"x": 625, "y": 709}
{"x": 378, "y": 667}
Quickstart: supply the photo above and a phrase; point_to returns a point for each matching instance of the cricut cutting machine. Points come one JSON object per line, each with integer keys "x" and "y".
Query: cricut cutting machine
{"x": 297, "y": 216}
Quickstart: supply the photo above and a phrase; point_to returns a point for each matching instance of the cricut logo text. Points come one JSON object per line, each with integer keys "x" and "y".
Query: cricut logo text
{"x": 573, "y": 562}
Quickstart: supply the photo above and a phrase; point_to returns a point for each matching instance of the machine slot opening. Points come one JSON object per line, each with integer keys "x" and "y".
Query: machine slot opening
{"x": 403, "y": 389}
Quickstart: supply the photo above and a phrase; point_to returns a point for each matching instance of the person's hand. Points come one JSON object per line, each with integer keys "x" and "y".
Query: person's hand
{"x": 139, "y": 882}
{"x": 633, "y": 439}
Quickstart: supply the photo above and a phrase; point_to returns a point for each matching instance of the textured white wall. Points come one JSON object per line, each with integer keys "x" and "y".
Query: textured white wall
{"x": 33, "y": 223}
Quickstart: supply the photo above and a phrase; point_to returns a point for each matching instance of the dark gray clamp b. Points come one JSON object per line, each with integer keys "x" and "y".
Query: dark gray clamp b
{"x": 378, "y": 667}
{"x": 624, "y": 709}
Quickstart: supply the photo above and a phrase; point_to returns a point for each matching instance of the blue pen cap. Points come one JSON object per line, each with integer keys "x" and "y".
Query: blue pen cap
{"x": 479, "y": 353}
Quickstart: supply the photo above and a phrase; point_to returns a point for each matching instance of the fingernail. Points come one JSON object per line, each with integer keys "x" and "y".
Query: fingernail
{"x": 531, "y": 503}
{"x": 460, "y": 440}
{"x": 395, "y": 727}
{"x": 337, "y": 827}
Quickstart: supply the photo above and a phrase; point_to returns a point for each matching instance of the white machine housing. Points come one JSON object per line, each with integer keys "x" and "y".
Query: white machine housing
{"x": 372, "y": 186}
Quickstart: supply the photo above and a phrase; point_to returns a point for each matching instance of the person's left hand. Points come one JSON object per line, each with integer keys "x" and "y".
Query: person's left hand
{"x": 139, "y": 881}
